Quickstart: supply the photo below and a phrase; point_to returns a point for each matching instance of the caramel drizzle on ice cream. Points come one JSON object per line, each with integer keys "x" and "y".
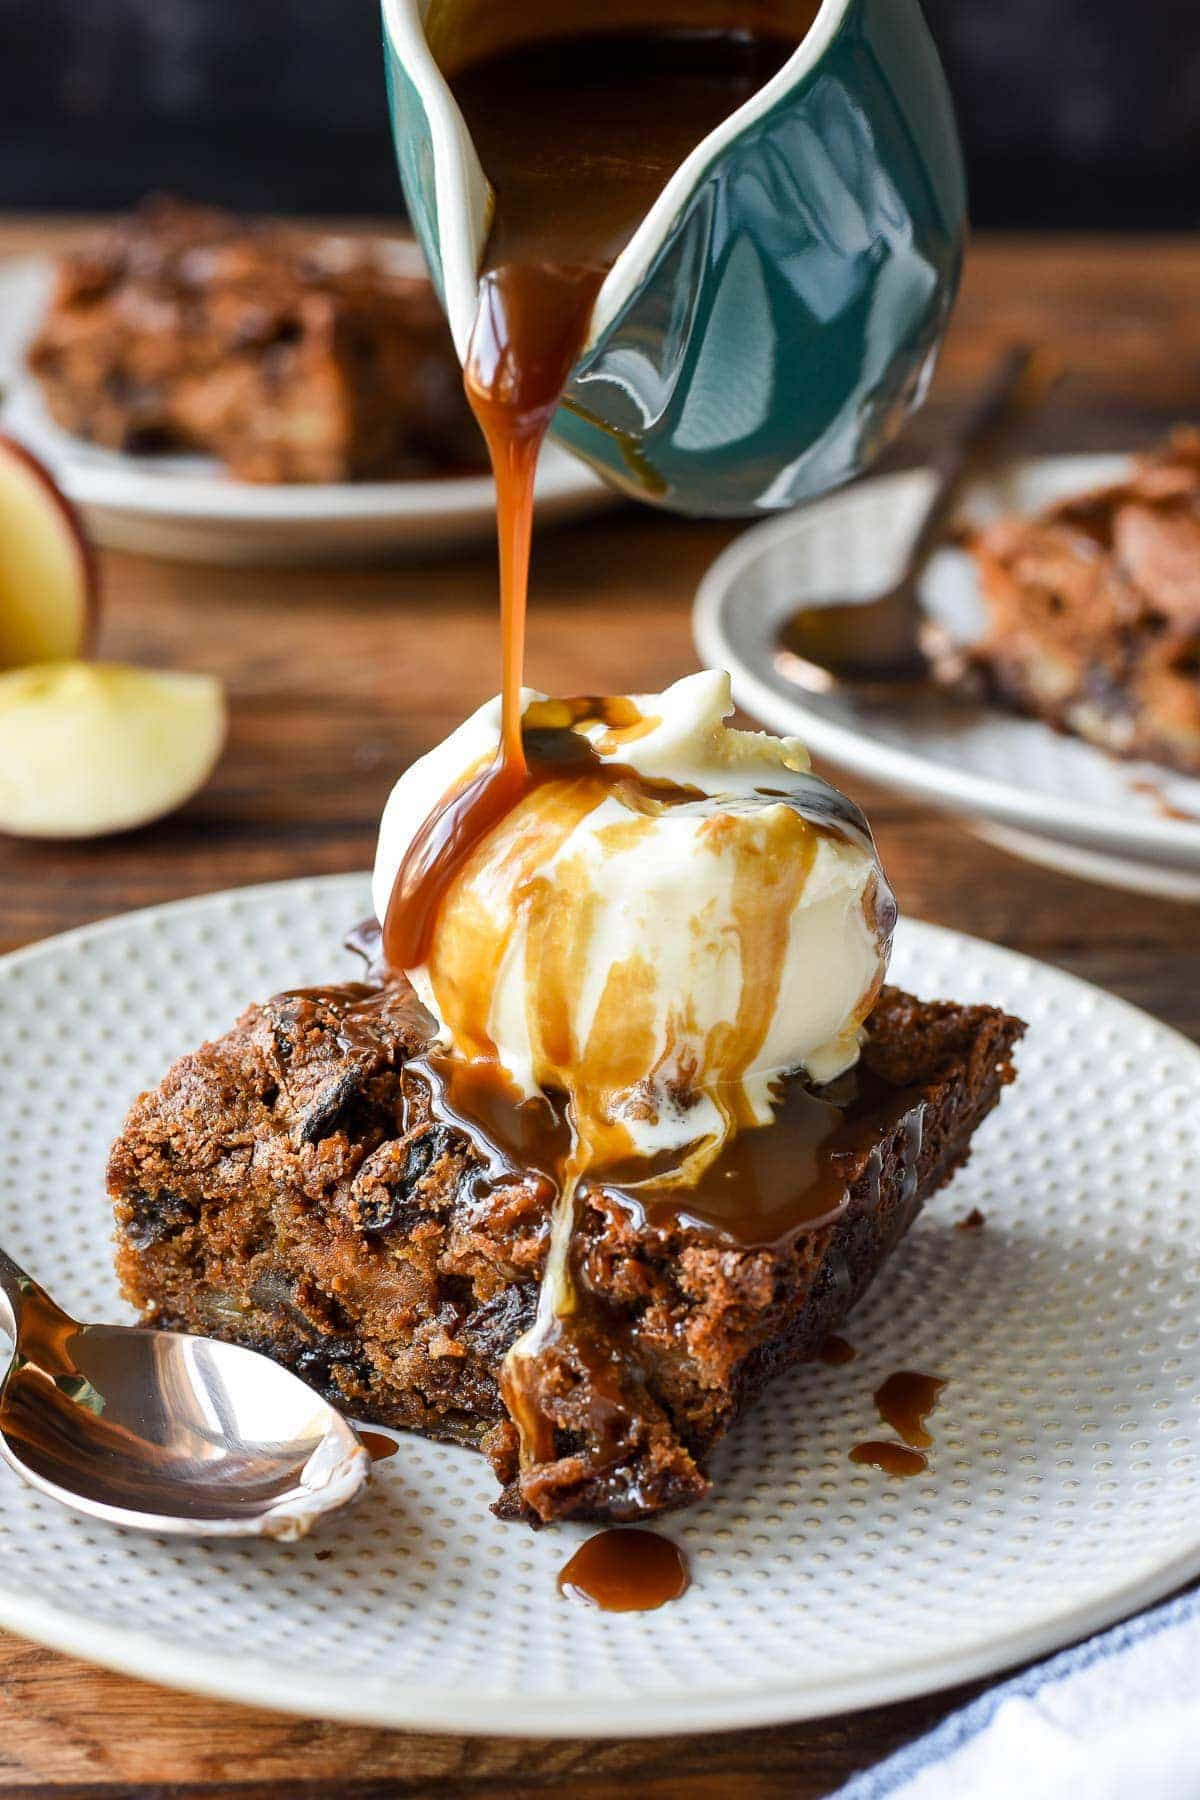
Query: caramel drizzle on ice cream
{"x": 604, "y": 1065}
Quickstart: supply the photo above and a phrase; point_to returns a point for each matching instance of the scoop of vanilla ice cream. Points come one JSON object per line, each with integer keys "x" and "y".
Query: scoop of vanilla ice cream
{"x": 663, "y": 964}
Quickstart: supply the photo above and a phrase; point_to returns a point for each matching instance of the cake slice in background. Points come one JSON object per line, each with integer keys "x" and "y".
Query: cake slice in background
{"x": 292, "y": 355}
{"x": 1094, "y": 610}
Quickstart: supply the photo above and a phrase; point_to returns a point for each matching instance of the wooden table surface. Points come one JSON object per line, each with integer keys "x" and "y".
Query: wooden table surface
{"x": 338, "y": 678}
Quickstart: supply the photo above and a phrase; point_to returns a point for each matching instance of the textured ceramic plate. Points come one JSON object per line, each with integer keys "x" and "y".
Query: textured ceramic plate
{"x": 1064, "y": 1485}
{"x": 184, "y": 506}
{"x": 971, "y": 759}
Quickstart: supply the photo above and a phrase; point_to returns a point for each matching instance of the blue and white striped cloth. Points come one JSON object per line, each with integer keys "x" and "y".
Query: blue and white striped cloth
{"x": 1117, "y": 1718}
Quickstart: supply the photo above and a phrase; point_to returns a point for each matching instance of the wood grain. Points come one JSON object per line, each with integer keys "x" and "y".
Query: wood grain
{"x": 339, "y": 677}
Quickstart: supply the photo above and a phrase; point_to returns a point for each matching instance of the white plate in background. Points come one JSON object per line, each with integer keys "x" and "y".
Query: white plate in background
{"x": 1064, "y": 1484}
{"x": 1158, "y": 880}
{"x": 973, "y": 759}
{"x": 187, "y": 507}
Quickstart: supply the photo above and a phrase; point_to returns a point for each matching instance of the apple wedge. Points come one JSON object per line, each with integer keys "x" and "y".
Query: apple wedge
{"x": 92, "y": 748}
{"x": 49, "y": 587}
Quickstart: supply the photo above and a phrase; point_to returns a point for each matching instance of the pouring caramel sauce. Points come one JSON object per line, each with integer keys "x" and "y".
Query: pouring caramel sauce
{"x": 578, "y": 134}
{"x": 578, "y": 131}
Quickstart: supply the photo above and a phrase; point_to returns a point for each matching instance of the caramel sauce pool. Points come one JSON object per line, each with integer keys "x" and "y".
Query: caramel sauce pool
{"x": 764, "y": 1187}
{"x": 626, "y": 1570}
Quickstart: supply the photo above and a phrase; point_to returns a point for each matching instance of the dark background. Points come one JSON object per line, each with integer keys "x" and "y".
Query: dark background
{"x": 1075, "y": 112}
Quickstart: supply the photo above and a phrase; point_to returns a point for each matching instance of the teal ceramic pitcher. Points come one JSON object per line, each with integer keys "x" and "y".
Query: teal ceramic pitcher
{"x": 775, "y": 317}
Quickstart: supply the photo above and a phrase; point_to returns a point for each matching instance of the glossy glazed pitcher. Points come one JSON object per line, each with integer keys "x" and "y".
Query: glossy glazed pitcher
{"x": 776, "y": 315}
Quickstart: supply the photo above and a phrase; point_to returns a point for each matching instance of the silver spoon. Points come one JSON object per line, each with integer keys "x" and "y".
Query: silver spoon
{"x": 888, "y": 641}
{"x": 164, "y": 1432}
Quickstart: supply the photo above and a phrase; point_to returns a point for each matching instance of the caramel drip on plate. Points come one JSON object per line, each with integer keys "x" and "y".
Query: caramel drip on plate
{"x": 626, "y": 1571}
{"x": 905, "y": 1401}
{"x": 891, "y": 1458}
{"x": 378, "y": 1446}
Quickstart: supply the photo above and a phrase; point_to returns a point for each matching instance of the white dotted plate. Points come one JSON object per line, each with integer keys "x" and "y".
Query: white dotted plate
{"x": 977, "y": 760}
{"x": 1064, "y": 1485}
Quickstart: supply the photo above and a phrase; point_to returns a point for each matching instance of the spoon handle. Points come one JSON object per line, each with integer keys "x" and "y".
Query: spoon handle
{"x": 1019, "y": 383}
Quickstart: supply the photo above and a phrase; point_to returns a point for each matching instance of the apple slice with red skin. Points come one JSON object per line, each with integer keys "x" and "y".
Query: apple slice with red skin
{"x": 92, "y": 748}
{"x": 49, "y": 577}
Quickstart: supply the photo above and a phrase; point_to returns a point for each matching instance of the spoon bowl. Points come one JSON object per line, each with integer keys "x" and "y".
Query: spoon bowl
{"x": 165, "y": 1432}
